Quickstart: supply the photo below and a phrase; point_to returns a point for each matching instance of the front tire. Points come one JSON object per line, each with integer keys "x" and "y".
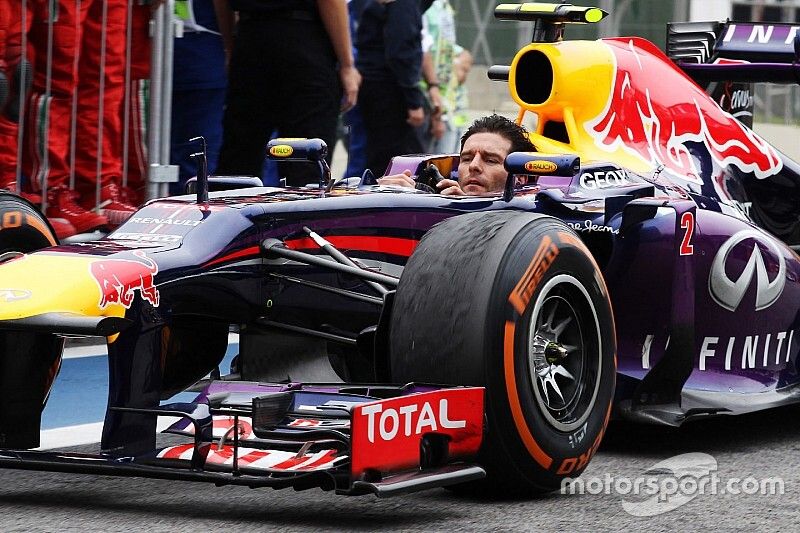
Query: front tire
{"x": 22, "y": 227}
{"x": 33, "y": 354}
{"x": 513, "y": 302}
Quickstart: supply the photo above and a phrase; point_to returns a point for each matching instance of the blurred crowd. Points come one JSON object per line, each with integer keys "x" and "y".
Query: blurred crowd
{"x": 386, "y": 75}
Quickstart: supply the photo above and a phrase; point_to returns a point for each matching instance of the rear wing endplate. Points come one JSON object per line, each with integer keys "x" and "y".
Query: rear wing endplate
{"x": 745, "y": 52}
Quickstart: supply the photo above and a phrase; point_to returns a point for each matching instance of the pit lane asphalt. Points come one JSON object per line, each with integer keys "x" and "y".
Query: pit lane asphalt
{"x": 760, "y": 445}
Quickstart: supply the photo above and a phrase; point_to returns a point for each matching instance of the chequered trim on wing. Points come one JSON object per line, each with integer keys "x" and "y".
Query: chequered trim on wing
{"x": 258, "y": 459}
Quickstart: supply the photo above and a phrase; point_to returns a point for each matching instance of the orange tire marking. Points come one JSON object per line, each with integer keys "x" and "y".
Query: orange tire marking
{"x": 542, "y": 259}
{"x": 513, "y": 400}
{"x": 12, "y": 219}
{"x": 568, "y": 238}
{"x": 15, "y": 219}
{"x": 37, "y": 224}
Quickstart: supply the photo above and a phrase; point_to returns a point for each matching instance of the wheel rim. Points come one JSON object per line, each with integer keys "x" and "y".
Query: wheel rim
{"x": 564, "y": 353}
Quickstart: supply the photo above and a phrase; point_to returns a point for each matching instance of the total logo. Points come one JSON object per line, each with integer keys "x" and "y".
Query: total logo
{"x": 408, "y": 419}
{"x": 603, "y": 179}
{"x": 728, "y": 293}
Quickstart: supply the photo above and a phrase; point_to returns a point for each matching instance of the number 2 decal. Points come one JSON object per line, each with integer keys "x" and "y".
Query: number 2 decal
{"x": 687, "y": 223}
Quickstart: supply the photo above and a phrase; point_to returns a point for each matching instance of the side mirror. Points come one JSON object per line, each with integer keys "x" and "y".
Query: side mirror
{"x": 313, "y": 150}
{"x": 297, "y": 150}
{"x": 538, "y": 164}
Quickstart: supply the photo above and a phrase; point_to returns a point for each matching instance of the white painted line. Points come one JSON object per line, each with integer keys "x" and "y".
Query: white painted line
{"x": 100, "y": 349}
{"x": 70, "y": 436}
{"x": 85, "y": 434}
{"x": 78, "y": 352}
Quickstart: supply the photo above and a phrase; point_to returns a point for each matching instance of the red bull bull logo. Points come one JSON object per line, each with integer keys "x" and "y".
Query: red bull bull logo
{"x": 655, "y": 113}
{"x": 118, "y": 278}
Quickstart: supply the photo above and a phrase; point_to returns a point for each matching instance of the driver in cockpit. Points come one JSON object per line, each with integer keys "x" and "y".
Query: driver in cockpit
{"x": 484, "y": 148}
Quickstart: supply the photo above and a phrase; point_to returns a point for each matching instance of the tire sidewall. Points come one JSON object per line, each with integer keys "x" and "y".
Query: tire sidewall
{"x": 22, "y": 227}
{"x": 549, "y": 455}
{"x": 449, "y": 324}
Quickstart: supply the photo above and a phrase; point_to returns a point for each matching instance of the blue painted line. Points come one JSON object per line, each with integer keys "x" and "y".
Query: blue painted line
{"x": 80, "y": 392}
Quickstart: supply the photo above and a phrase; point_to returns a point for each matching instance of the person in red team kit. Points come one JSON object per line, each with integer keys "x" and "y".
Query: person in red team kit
{"x": 133, "y": 110}
{"x": 14, "y": 76}
{"x": 7, "y": 137}
{"x": 75, "y": 129}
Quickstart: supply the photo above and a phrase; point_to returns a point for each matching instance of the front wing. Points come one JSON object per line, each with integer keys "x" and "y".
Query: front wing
{"x": 384, "y": 440}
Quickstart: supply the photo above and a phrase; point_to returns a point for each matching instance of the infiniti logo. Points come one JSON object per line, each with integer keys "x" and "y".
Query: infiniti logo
{"x": 12, "y": 295}
{"x": 729, "y": 293}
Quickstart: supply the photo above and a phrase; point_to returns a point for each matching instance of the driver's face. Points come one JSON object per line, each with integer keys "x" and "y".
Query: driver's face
{"x": 480, "y": 169}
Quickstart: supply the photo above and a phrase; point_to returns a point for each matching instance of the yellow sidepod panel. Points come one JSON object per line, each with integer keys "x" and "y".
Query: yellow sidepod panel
{"x": 52, "y": 283}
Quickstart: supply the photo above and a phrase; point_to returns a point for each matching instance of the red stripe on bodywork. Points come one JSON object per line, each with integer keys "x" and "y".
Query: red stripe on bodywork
{"x": 246, "y": 252}
{"x": 362, "y": 243}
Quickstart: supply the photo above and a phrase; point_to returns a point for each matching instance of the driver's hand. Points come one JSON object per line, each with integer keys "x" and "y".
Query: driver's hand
{"x": 402, "y": 180}
{"x": 450, "y": 187}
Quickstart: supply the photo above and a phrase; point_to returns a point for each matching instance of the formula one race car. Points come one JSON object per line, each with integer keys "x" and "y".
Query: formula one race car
{"x": 394, "y": 339}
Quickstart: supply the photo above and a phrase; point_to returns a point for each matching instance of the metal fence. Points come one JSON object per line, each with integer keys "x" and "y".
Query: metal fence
{"x": 44, "y": 47}
{"x": 777, "y": 104}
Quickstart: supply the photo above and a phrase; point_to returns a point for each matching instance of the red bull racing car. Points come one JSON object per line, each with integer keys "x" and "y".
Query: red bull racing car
{"x": 393, "y": 340}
